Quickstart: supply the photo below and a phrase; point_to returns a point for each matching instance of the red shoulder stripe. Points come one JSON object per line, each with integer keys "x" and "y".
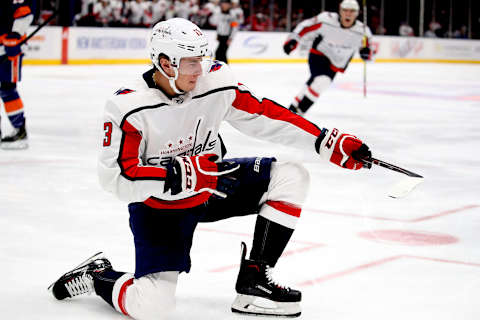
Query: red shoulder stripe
{"x": 246, "y": 102}
{"x": 309, "y": 29}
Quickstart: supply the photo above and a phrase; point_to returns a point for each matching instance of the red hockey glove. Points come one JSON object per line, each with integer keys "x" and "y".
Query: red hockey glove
{"x": 12, "y": 44}
{"x": 200, "y": 173}
{"x": 290, "y": 45}
{"x": 342, "y": 149}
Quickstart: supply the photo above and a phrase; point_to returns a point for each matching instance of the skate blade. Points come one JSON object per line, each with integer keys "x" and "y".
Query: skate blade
{"x": 15, "y": 145}
{"x": 87, "y": 261}
{"x": 258, "y": 306}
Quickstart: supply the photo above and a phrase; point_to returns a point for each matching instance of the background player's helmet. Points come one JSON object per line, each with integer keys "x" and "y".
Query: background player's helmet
{"x": 177, "y": 38}
{"x": 350, "y": 4}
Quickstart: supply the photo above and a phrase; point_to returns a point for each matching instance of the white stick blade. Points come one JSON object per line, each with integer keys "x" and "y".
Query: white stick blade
{"x": 404, "y": 187}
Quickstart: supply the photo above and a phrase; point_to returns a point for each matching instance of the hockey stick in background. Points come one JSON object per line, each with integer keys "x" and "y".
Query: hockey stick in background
{"x": 403, "y": 187}
{"x": 365, "y": 42}
{"x": 43, "y": 24}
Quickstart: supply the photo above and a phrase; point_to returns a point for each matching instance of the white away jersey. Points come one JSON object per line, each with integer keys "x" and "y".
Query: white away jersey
{"x": 145, "y": 131}
{"x": 339, "y": 44}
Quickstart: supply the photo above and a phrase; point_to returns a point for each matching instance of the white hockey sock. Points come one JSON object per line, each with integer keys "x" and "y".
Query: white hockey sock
{"x": 317, "y": 87}
{"x": 299, "y": 96}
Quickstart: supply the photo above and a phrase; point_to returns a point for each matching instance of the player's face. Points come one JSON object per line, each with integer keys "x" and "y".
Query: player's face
{"x": 189, "y": 71}
{"x": 347, "y": 17}
{"x": 187, "y": 82}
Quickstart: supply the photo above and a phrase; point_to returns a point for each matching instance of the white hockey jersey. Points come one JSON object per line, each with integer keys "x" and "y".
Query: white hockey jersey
{"x": 339, "y": 44}
{"x": 145, "y": 130}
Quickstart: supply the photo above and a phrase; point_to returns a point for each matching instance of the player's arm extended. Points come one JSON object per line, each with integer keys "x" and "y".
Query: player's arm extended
{"x": 120, "y": 168}
{"x": 307, "y": 26}
{"x": 265, "y": 119}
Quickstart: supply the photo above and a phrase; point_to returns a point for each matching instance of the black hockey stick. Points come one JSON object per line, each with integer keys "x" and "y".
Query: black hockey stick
{"x": 404, "y": 186}
{"x": 391, "y": 167}
{"x": 43, "y": 24}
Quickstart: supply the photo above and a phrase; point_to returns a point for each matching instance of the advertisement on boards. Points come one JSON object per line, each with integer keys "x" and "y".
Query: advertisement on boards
{"x": 45, "y": 47}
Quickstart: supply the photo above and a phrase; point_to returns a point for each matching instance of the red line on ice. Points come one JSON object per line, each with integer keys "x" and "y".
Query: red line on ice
{"x": 378, "y": 263}
{"x": 428, "y": 217}
{"x": 308, "y": 247}
{"x": 348, "y": 271}
{"x": 444, "y": 213}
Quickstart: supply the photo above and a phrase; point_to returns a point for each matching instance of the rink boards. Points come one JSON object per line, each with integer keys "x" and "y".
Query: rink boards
{"x": 88, "y": 45}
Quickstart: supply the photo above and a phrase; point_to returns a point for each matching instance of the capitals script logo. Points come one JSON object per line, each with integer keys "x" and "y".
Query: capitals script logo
{"x": 191, "y": 145}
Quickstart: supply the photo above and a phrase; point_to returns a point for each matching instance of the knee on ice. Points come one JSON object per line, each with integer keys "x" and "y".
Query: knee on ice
{"x": 151, "y": 299}
{"x": 154, "y": 307}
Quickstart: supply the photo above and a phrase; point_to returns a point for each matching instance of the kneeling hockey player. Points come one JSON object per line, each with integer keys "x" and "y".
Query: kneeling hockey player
{"x": 162, "y": 153}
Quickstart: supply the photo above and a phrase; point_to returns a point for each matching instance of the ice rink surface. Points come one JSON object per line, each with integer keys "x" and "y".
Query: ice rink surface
{"x": 356, "y": 253}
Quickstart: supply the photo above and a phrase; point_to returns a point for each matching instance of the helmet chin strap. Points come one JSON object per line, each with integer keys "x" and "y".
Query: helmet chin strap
{"x": 171, "y": 80}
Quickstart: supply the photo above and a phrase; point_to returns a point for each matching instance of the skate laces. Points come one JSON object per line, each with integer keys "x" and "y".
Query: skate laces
{"x": 269, "y": 275}
{"x": 83, "y": 283}
{"x": 80, "y": 285}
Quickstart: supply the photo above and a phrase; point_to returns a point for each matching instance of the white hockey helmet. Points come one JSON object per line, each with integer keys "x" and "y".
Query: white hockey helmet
{"x": 350, "y": 5}
{"x": 178, "y": 38}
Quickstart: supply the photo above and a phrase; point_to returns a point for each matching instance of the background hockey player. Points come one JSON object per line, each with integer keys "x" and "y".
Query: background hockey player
{"x": 334, "y": 40}
{"x": 15, "y": 18}
{"x": 227, "y": 25}
{"x": 162, "y": 153}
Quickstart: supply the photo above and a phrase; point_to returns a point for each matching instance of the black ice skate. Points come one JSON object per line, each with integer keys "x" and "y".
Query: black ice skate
{"x": 79, "y": 280}
{"x": 259, "y": 294}
{"x": 18, "y": 140}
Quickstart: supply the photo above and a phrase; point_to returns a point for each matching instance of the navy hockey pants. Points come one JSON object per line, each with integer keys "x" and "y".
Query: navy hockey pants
{"x": 319, "y": 66}
{"x": 163, "y": 237}
{"x": 11, "y": 71}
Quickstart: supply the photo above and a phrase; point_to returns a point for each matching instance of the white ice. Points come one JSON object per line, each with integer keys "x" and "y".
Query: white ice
{"x": 356, "y": 254}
